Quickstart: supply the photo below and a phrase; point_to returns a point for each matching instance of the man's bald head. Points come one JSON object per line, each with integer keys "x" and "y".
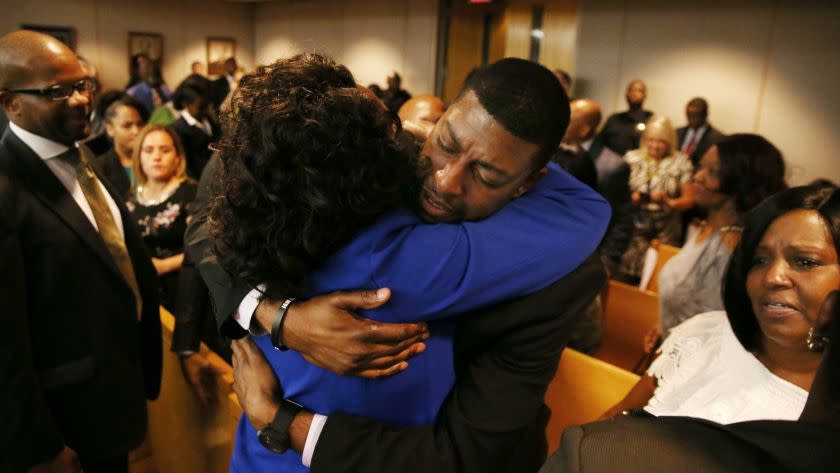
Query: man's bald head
{"x": 636, "y": 93}
{"x": 30, "y": 60}
{"x": 585, "y": 118}
{"x": 422, "y": 108}
{"x": 420, "y": 113}
{"x": 27, "y": 57}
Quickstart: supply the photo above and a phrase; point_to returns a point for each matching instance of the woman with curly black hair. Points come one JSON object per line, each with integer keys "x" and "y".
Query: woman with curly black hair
{"x": 309, "y": 159}
{"x": 316, "y": 196}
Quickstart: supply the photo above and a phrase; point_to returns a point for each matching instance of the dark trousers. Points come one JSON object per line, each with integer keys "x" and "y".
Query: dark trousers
{"x": 118, "y": 464}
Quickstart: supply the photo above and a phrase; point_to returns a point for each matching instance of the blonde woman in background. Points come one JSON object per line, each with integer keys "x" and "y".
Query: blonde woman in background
{"x": 659, "y": 174}
{"x": 160, "y": 203}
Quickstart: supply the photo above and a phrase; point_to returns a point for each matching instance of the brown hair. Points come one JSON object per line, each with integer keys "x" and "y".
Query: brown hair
{"x": 139, "y": 176}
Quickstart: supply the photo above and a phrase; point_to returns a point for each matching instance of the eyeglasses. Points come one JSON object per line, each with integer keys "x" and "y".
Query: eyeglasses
{"x": 59, "y": 92}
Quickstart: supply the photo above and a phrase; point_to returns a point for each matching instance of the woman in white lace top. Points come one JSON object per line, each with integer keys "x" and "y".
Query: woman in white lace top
{"x": 757, "y": 360}
{"x": 731, "y": 178}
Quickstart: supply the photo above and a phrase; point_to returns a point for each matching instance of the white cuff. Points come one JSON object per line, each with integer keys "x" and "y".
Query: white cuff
{"x": 247, "y": 307}
{"x": 312, "y": 437}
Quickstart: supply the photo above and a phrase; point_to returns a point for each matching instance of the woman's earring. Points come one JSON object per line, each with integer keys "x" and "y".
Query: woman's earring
{"x": 816, "y": 342}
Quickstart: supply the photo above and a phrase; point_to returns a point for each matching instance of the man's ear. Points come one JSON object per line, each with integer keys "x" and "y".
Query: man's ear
{"x": 532, "y": 179}
{"x": 9, "y": 103}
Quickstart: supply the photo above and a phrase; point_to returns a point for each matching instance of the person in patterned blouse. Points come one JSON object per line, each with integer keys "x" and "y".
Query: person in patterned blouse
{"x": 659, "y": 174}
{"x": 160, "y": 203}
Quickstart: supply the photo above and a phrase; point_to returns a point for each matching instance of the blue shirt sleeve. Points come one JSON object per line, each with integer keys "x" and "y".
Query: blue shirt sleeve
{"x": 437, "y": 271}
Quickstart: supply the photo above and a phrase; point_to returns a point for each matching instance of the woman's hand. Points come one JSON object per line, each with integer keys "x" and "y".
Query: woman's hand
{"x": 612, "y": 412}
{"x": 637, "y": 398}
{"x": 167, "y": 265}
{"x": 649, "y": 342}
{"x": 199, "y": 372}
{"x": 255, "y": 383}
{"x": 658, "y": 196}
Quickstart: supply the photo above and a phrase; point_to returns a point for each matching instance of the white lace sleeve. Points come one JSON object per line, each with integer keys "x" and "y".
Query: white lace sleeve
{"x": 691, "y": 347}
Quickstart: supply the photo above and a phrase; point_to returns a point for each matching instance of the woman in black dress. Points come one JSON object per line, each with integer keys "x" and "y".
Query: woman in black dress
{"x": 160, "y": 203}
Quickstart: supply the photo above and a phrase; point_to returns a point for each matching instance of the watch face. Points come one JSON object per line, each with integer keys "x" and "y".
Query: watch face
{"x": 272, "y": 440}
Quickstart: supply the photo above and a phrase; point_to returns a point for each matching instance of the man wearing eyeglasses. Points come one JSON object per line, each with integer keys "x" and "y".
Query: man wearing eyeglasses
{"x": 80, "y": 349}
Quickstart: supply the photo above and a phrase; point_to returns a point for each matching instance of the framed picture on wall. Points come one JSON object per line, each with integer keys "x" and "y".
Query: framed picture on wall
{"x": 219, "y": 50}
{"x": 65, "y": 34}
{"x": 150, "y": 44}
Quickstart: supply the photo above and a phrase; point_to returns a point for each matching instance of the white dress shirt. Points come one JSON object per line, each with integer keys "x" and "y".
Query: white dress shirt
{"x": 47, "y": 150}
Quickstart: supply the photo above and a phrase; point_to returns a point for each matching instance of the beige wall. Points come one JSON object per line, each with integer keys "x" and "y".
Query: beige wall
{"x": 765, "y": 67}
{"x": 372, "y": 37}
{"x": 560, "y": 18}
{"x": 102, "y": 28}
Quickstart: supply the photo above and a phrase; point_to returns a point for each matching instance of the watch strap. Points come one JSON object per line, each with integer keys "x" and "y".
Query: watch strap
{"x": 275, "y": 436}
{"x": 277, "y": 326}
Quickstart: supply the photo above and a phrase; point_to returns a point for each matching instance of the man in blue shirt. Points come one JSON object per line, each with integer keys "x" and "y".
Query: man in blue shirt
{"x": 477, "y": 167}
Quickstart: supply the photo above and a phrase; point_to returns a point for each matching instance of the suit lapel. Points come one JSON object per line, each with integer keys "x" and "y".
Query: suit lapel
{"x": 46, "y": 187}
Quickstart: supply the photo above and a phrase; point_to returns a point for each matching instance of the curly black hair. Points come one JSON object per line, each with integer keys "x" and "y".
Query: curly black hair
{"x": 308, "y": 159}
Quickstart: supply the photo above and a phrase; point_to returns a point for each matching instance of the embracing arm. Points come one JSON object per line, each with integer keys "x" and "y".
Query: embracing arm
{"x": 493, "y": 410}
{"x": 437, "y": 271}
{"x": 494, "y": 413}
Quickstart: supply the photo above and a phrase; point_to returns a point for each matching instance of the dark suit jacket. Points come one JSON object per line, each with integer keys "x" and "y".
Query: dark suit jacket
{"x": 494, "y": 419}
{"x": 613, "y": 175}
{"x": 621, "y": 133}
{"x": 194, "y": 321}
{"x": 578, "y": 163}
{"x": 196, "y": 145}
{"x": 684, "y": 444}
{"x": 219, "y": 90}
{"x": 74, "y": 361}
{"x": 709, "y": 138}
{"x": 108, "y": 165}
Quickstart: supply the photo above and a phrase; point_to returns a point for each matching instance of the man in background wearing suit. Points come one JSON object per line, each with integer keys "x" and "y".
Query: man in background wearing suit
{"x": 613, "y": 171}
{"x": 696, "y": 138}
{"x": 81, "y": 350}
{"x": 623, "y": 130}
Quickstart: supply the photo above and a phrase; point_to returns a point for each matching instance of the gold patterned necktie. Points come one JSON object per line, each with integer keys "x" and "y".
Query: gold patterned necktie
{"x": 104, "y": 219}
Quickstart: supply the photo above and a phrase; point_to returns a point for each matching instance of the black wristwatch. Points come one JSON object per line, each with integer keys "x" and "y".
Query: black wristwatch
{"x": 275, "y": 436}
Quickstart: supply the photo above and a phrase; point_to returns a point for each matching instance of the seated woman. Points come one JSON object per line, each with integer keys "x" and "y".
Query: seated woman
{"x": 316, "y": 196}
{"x": 733, "y": 176}
{"x": 758, "y": 359}
{"x": 659, "y": 174}
{"x": 123, "y": 120}
{"x": 160, "y": 204}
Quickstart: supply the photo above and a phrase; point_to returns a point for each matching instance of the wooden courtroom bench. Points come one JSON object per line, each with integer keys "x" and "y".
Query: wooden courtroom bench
{"x": 629, "y": 313}
{"x": 184, "y": 435}
{"x": 583, "y": 389}
{"x": 663, "y": 254}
